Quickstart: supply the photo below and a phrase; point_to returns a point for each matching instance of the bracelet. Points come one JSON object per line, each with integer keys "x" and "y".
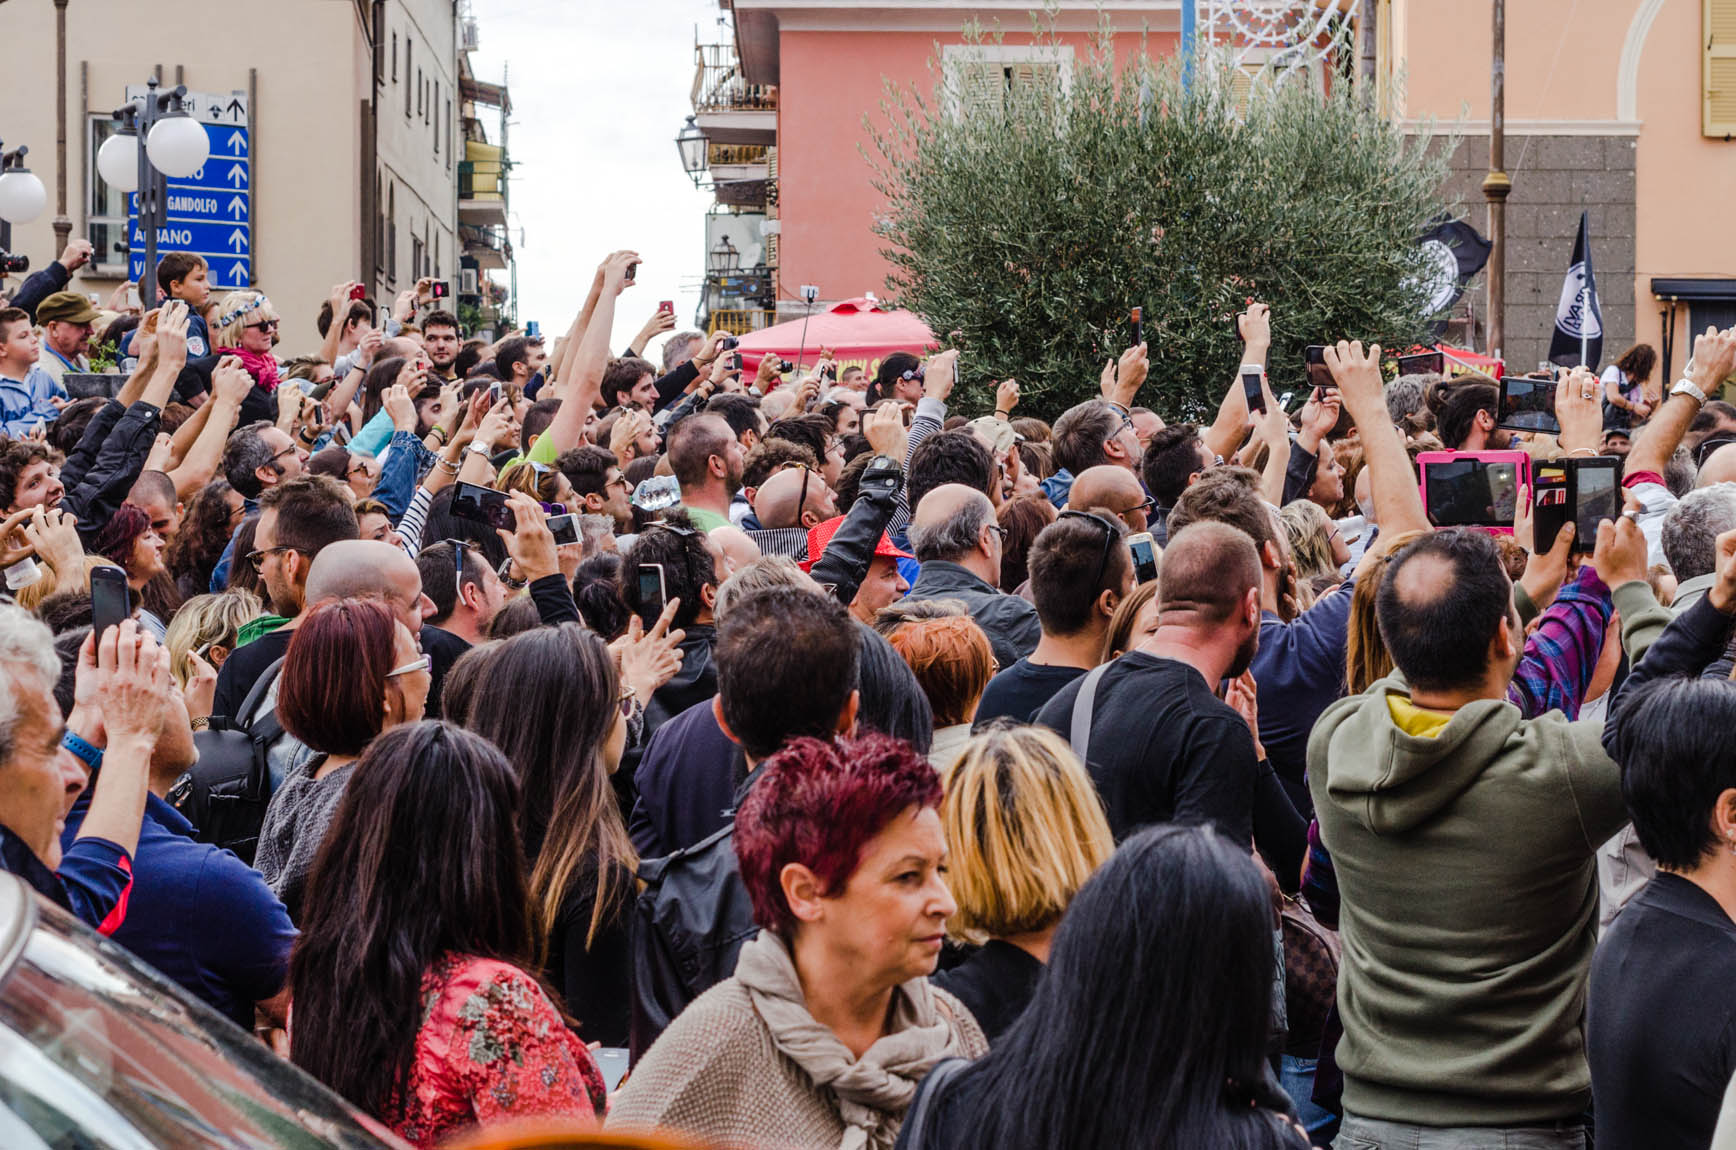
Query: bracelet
{"x": 200, "y": 723}
{"x": 446, "y": 465}
{"x": 87, "y": 753}
{"x": 999, "y": 414}
{"x": 1586, "y": 450}
{"x": 439, "y": 432}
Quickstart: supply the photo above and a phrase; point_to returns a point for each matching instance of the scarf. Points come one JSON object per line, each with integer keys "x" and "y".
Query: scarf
{"x": 261, "y": 366}
{"x": 874, "y": 1091}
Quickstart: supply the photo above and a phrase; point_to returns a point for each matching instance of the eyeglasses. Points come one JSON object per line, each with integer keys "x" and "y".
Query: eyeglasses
{"x": 422, "y": 663}
{"x": 999, "y": 530}
{"x": 1110, "y": 535}
{"x": 262, "y": 325}
{"x": 257, "y": 558}
{"x": 290, "y": 450}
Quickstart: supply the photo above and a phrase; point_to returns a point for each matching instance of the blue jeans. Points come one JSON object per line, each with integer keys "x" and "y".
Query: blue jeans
{"x": 1296, "y": 1075}
{"x": 1374, "y": 1134}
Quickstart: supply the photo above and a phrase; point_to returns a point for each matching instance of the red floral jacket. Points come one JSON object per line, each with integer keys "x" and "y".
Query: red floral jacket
{"x": 492, "y": 1048}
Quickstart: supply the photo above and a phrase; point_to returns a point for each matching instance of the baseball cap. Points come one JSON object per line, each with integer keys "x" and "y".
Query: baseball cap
{"x": 996, "y": 434}
{"x": 820, "y": 534}
{"x": 66, "y": 307}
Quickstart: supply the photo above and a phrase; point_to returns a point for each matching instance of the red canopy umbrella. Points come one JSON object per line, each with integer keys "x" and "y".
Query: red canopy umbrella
{"x": 859, "y": 332}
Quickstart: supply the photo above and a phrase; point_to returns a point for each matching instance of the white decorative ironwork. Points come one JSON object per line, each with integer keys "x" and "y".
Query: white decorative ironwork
{"x": 1273, "y": 42}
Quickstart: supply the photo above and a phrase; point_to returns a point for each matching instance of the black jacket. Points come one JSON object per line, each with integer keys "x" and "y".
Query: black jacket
{"x": 686, "y": 783}
{"x": 1009, "y": 621}
{"x": 1694, "y": 640}
{"x": 40, "y": 286}
{"x": 844, "y": 564}
{"x": 106, "y": 462}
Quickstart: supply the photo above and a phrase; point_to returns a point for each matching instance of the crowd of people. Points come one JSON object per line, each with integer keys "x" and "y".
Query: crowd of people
{"x": 849, "y": 770}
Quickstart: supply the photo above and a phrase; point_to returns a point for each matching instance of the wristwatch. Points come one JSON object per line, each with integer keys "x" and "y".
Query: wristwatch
{"x": 1686, "y": 386}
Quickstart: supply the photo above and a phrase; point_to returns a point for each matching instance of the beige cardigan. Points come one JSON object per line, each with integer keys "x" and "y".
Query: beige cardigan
{"x": 716, "y": 1075}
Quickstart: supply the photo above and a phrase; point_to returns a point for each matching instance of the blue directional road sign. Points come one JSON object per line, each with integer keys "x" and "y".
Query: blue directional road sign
{"x": 210, "y": 211}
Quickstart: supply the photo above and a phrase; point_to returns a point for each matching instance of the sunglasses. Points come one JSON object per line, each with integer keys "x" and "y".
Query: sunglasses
{"x": 257, "y": 558}
{"x": 263, "y": 325}
{"x": 1710, "y": 444}
{"x": 1110, "y": 535}
{"x": 422, "y": 663}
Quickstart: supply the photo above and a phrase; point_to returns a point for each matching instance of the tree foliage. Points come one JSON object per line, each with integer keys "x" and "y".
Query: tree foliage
{"x": 1030, "y": 229}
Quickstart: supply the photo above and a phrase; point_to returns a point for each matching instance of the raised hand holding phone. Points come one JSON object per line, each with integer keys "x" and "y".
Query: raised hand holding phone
{"x": 1579, "y": 410}
{"x": 940, "y": 374}
{"x": 1130, "y": 372}
{"x": 531, "y": 544}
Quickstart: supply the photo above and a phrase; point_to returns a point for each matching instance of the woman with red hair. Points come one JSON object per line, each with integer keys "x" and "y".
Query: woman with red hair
{"x": 827, "y": 1026}
{"x": 352, "y": 671}
{"x": 954, "y": 662}
{"x": 129, "y": 539}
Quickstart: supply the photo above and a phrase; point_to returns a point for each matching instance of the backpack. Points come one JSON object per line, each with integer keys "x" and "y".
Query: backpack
{"x": 225, "y": 795}
{"x": 689, "y": 922}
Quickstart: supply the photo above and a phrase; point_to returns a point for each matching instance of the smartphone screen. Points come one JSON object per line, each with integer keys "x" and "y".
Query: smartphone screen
{"x": 1472, "y": 493}
{"x": 667, "y": 307}
{"x": 483, "y": 505}
{"x": 110, "y": 600}
{"x": 1252, "y": 389}
{"x": 440, "y": 289}
{"x": 1319, "y": 375}
{"x": 564, "y": 529}
{"x": 652, "y": 596}
{"x": 1528, "y": 405}
{"x": 1137, "y": 317}
{"x": 612, "y": 1061}
{"x": 1595, "y": 499}
{"x": 1423, "y": 363}
{"x": 1144, "y": 550}
{"x": 1551, "y": 502}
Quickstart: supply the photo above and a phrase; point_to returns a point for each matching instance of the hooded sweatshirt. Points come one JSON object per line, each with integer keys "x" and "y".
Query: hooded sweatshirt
{"x": 1465, "y": 848}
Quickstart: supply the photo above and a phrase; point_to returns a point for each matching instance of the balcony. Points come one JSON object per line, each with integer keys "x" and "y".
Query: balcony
{"x": 741, "y": 174}
{"x": 729, "y": 109}
{"x": 482, "y": 185}
{"x": 488, "y": 246}
{"x": 739, "y": 321}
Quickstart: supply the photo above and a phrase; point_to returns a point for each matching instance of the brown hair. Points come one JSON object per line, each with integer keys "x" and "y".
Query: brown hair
{"x": 332, "y": 695}
{"x": 952, "y": 660}
{"x": 1366, "y": 660}
{"x": 1120, "y": 633}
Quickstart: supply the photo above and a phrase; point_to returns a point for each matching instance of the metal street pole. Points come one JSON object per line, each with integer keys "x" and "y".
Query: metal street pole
{"x": 62, "y": 222}
{"x": 1497, "y": 186}
{"x": 153, "y": 185}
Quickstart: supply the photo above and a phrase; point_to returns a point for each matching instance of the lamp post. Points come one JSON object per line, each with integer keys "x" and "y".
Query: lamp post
{"x": 174, "y": 145}
{"x": 692, "y": 145}
{"x": 1497, "y": 185}
{"x": 22, "y": 198}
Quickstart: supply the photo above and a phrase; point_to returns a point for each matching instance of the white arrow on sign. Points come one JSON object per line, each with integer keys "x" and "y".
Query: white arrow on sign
{"x": 237, "y": 207}
{"x": 238, "y": 272}
{"x": 237, "y": 144}
{"x": 238, "y": 240}
{"x": 238, "y": 175}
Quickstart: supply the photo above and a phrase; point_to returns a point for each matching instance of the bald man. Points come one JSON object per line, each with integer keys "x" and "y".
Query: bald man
{"x": 733, "y": 546}
{"x": 794, "y": 497}
{"x": 958, "y": 543}
{"x": 1113, "y": 488}
{"x": 368, "y": 569}
{"x": 1720, "y": 467}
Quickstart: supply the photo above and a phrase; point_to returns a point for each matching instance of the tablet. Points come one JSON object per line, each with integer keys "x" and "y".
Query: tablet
{"x": 1473, "y": 488}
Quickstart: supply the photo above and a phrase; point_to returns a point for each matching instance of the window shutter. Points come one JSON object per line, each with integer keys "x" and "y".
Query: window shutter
{"x": 1720, "y": 69}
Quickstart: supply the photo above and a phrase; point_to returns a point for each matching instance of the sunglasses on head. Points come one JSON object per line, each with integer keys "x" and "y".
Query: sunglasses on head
{"x": 1110, "y": 535}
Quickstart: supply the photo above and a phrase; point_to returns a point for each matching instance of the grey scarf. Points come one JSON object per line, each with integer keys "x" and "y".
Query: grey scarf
{"x": 873, "y": 1091}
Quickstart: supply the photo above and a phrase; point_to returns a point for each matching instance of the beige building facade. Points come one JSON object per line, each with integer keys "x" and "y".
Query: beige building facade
{"x": 355, "y": 119}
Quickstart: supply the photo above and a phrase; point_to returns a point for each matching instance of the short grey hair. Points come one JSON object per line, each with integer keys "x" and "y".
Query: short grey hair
{"x": 953, "y": 537}
{"x": 1692, "y": 528}
{"x": 763, "y": 573}
{"x": 27, "y": 657}
{"x": 1406, "y": 395}
{"x": 678, "y": 349}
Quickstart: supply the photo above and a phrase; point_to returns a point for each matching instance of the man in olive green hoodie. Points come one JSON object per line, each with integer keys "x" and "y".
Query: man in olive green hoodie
{"x": 1464, "y": 838}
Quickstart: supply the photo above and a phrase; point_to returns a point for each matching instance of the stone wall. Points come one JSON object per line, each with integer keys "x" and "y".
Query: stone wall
{"x": 1554, "y": 179}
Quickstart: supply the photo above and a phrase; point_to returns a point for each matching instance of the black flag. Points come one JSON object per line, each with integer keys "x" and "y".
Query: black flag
{"x": 1579, "y": 316}
{"x": 1455, "y": 253}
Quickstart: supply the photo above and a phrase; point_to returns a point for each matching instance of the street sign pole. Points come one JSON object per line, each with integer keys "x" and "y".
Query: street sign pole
{"x": 208, "y": 213}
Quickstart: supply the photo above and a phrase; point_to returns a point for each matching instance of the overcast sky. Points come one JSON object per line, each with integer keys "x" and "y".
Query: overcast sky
{"x": 599, "y": 90}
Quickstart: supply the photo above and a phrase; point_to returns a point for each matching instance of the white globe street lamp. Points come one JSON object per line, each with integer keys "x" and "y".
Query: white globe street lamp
{"x": 22, "y": 196}
{"x": 178, "y": 146}
{"x": 117, "y": 161}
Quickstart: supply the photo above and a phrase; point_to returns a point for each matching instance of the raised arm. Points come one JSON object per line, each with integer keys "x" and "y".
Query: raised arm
{"x": 1398, "y": 503}
{"x": 340, "y": 300}
{"x": 1714, "y": 357}
{"x": 1225, "y": 433}
{"x": 230, "y": 384}
{"x": 592, "y": 357}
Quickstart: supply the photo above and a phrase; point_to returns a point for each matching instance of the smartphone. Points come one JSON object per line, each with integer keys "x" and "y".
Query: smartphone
{"x": 320, "y": 390}
{"x": 1284, "y": 401}
{"x": 1137, "y": 318}
{"x": 358, "y": 292}
{"x": 632, "y": 272}
{"x": 532, "y": 329}
{"x": 735, "y": 362}
{"x": 1145, "y": 553}
{"x": 730, "y": 342}
{"x": 440, "y": 289}
{"x": 1528, "y": 405}
{"x": 786, "y": 366}
{"x": 565, "y": 529}
{"x": 1473, "y": 488}
{"x": 483, "y": 505}
{"x": 1251, "y": 387}
{"x": 1423, "y": 363}
{"x": 1581, "y": 491}
{"x": 667, "y": 307}
{"x": 612, "y": 1061}
{"x": 1319, "y": 375}
{"x": 110, "y": 599}
{"x": 494, "y": 393}
{"x": 652, "y": 595}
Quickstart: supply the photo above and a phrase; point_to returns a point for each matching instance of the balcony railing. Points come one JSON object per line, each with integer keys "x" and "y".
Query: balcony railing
{"x": 481, "y": 179}
{"x": 724, "y": 155}
{"x": 739, "y": 321}
{"x": 718, "y": 85}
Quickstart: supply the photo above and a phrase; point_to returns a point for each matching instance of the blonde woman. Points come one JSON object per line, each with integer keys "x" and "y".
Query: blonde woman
{"x": 1316, "y": 545}
{"x": 247, "y": 329}
{"x": 1024, "y": 829}
{"x": 200, "y": 637}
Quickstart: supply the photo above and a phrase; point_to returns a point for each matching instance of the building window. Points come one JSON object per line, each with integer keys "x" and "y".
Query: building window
{"x": 415, "y": 254}
{"x": 451, "y": 135}
{"x": 379, "y": 229}
{"x": 106, "y": 210}
{"x": 394, "y": 57}
{"x": 391, "y": 234}
{"x": 434, "y": 108}
{"x": 981, "y": 79}
{"x": 408, "y": 44}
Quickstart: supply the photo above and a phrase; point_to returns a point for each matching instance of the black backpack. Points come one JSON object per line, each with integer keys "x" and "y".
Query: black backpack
{"x": 689, "y": 924}
{"x": 225, "y": 795}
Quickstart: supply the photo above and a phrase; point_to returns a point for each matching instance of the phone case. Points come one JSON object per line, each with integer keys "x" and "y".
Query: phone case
{"x": 1495, "y": 514}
